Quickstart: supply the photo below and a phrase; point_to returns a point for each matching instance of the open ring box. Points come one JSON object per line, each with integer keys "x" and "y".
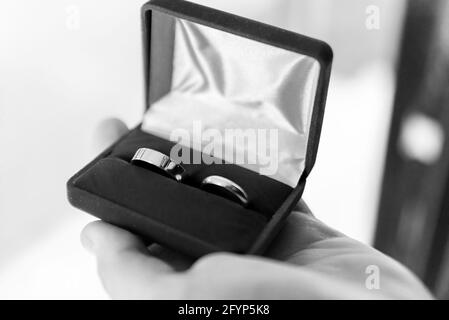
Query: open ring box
{"x": 234, "y": 98}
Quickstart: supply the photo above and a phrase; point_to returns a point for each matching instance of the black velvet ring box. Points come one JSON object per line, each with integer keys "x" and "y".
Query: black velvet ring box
{"x": 187, "y": 71}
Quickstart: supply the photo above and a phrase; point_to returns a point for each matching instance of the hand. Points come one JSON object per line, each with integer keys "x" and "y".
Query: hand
{"x": 308, "y": 260}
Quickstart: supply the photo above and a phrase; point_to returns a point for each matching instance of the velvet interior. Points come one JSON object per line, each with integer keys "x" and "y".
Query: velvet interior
{"x": 265, "y": 195}
{"x": 222, "y": 82}
{"x": 184, "y": 208}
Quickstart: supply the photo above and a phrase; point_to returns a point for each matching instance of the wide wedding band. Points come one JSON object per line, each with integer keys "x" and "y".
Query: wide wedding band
{"x": 225, "y": 187}
{"x": 157, "y": 160}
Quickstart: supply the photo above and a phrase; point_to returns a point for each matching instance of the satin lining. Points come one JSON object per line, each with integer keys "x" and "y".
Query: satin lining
{"x": 230, "y": 82}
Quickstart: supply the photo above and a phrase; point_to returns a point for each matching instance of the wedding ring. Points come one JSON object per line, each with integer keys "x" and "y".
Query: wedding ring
{"x": 153, "y": 159}
{"x": 226, "y": 188}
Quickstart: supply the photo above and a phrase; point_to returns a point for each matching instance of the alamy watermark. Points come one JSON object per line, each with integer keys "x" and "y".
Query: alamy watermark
{"x": 372, "y": 281}
{"x": 73, "y": 17}
{"x": 372, "y": 21}
{"x": 259, "y": 147}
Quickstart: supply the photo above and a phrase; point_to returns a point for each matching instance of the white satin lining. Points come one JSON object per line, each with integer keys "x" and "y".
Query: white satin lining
{"x": 230, "y": 82}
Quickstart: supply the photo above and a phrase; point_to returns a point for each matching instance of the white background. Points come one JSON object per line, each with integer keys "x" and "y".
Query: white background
{"x": 60, "y": 77}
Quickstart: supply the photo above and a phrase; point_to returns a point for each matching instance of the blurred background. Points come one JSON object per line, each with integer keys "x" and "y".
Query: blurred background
{"x": 382, "y": 172}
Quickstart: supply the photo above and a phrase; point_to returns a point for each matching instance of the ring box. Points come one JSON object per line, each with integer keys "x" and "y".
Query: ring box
{"x": 210, "y": 70}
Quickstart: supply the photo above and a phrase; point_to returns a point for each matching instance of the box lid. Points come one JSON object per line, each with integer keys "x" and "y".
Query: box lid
{"x": 159, "y": 45}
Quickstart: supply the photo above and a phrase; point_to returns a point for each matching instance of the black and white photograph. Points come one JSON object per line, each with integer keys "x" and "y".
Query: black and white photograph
{"x": 224, "y": 150}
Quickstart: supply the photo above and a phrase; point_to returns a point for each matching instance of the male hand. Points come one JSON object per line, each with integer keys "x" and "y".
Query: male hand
{"x": 308, "y": 260}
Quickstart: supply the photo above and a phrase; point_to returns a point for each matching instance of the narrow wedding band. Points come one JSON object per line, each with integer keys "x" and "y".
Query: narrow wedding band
{"x": 157, "y": 160}
{"x": 226, "y": 187}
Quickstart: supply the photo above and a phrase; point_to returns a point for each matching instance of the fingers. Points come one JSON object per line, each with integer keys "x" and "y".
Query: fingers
{"x": 176, "y": 260}
{"x": 129, "y": 270}
{"x": 300, "y": 231}
{"x": 99, "y": 235}
{"x": 303, "y": 207}
{"x": 107, "y": 132}
{"x": 125, "y": 266}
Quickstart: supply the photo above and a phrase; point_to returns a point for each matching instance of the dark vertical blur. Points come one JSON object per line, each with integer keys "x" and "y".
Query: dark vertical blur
{"x": 413, "y": 220}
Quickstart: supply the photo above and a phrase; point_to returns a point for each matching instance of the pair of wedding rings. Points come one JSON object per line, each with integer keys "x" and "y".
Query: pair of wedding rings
{"x": 155, "y": 160}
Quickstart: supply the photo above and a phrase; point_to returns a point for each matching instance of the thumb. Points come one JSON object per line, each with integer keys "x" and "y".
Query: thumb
{"x": 125, "y": 266}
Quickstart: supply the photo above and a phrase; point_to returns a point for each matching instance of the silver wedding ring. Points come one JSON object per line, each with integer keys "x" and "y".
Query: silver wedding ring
{"x": 157, "y": 160}
{"x": 226, "y": 188}
{"x": 218, "y": 185}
